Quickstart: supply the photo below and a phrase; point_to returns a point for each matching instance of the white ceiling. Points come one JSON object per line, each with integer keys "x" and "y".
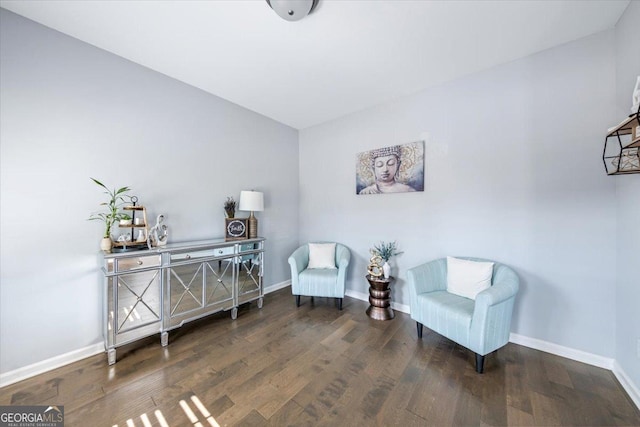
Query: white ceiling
{"x": 346, "y": 56}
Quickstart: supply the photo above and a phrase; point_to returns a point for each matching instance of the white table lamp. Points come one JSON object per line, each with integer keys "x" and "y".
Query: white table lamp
{"x": 252, "y": 201}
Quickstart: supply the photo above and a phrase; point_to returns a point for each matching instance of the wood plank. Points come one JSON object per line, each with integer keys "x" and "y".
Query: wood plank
{"x": 315, "y": 365}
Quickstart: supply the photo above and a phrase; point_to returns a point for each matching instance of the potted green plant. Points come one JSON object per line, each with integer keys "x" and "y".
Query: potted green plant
{"x": 386, "y": 251}
{"x": 230, "y": 207}
{"x": 125, "y": 219}
{"x": 111, "y": 216}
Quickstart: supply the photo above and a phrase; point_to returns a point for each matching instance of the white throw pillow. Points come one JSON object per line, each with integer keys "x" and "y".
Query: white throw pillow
{"x": 322, "y": 255}
{"x": 468, "y": 278}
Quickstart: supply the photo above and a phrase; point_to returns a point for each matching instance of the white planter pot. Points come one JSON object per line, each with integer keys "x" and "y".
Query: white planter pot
{"x": 106, "y": 244}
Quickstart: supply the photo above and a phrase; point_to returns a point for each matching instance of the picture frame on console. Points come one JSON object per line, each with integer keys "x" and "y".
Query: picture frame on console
{"x": 236, "y": 229}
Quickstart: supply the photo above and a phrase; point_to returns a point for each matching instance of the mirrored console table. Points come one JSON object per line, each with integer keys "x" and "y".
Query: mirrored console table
{"x": 154, "y": 291}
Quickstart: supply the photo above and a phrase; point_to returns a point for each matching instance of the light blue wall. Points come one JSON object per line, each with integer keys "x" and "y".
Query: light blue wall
{"x": 513, "y": 173}
{"x": 70, "y": 111}
{"x": 628, "y": 204}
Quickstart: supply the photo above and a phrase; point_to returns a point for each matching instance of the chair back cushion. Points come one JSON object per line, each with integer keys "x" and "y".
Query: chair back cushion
{"x": 322, "y": 255}
{"x": 468, "y": 278}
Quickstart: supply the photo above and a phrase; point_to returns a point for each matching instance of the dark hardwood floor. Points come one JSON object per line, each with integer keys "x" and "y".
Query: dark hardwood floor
{"x": 315, "y": 365}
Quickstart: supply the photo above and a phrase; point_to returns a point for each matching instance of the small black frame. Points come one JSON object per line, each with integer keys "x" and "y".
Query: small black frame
{"x": 236, "y": 229}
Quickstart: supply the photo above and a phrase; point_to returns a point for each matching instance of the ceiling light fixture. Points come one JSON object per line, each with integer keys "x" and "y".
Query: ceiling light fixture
{"x": 292, "y": 10}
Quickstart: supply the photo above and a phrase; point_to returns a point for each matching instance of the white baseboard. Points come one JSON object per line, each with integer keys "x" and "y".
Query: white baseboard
{"x": 401, "y": 307}
{"x": 584, "y": 357}
{"x": 365, "y": 297}
{"x": 25, "y": 372}
{"x": 559, "y": 350}
{"x": 627, "y": 384}
{"x": 277, "y": 286}
{"x": 357, "y": 295}
{"x": 37, "y": 368}
{"x": 556, "y": 349}
{"x": 49, "y": 364}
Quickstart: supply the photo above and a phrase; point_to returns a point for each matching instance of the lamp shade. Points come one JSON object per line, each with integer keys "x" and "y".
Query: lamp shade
{"x": 251, "y": 201}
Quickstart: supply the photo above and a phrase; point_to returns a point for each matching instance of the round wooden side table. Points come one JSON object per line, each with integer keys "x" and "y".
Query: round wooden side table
{"x": 380, "y": 308}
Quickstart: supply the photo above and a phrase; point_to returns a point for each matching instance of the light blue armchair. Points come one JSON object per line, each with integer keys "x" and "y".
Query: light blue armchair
{"x": 482, "y": 325}
{"x": 329, "y": 283}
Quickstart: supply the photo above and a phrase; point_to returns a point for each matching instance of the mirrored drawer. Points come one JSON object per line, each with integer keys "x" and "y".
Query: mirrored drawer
{"x": 135, "y": 263}
{"x": 249, "y": 247}
{"x": 217, "y": 252}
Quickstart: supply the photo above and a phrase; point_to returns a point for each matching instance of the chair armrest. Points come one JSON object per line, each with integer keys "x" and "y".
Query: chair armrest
{"x": 299, "y": 260}
{"x": 499, "y": 292}
{"x": 505, "y": 285}
{"x": 491, "y": 322}
{"x": 343, "y": 259}
{"x": 428, "y": 277}
{"x": 342, "y": 263}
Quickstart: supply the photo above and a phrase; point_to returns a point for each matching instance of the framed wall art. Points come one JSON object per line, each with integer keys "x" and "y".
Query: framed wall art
{"x": 393, "y": 169}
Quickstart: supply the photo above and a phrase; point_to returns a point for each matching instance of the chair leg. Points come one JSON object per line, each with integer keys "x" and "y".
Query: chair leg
{"x": 419, "y": 328}
{"x": 297, "y": 300}
{"x": 479, "y": 363}
{"x": 340, "y": 304}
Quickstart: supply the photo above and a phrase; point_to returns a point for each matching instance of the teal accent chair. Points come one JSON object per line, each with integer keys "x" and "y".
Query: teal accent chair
{"x": 482, "y": 326}
{"x": 329, "y": 283}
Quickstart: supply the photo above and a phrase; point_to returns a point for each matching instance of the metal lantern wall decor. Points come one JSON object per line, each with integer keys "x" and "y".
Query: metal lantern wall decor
{"x": 621, "y": 154}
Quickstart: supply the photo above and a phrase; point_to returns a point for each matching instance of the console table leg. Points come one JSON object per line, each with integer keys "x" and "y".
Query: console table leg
{"x": 164, "y": 339}
{"x": 111, "y": 356}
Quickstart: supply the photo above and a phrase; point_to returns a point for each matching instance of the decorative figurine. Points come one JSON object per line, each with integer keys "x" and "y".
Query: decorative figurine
{"x": 374, "y": 269}
{"x": 158, "y": 234}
